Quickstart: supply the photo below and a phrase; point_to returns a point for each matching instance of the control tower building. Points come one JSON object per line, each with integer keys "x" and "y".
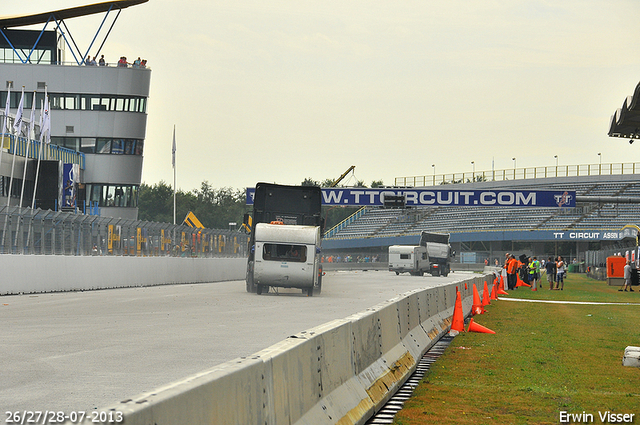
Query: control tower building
{"x": 93, "y": 163}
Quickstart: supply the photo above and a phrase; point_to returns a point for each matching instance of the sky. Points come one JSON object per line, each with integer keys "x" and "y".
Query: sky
{"x": 281, "y": 91}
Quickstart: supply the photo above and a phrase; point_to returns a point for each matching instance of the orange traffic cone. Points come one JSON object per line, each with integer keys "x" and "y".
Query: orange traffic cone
{"x": 457, "y": 321}
{"x": 476, "y": 307}
{"x": 501, "y": 290}
{"x": 494, "y": 291}
{"x": 521, "y": 282}
{"x": 474, "y": 327}
{"x": 485, "y": 295}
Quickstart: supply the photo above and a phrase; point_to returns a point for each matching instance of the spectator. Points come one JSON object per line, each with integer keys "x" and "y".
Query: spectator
{"x": 534, "y": 273}
{"x": 560, "y": 273}
{"x": 101, "y": 62}
{"x": 91, "y": 62}
{"x": 627, "y": 278}
{"x": 136, "y": 63}
{"x": 512, "y": 269}
{"x": 550, "y": 267}
{"x": 143, "y": 64}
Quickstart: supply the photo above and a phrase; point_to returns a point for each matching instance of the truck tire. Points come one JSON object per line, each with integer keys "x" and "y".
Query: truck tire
{"x": 309, "y": 291}
{"x": 251, "y": 287}
{"x": 446, "y": 271}
{"x": 259, "y": 289}
{"x": 397, "y": 273}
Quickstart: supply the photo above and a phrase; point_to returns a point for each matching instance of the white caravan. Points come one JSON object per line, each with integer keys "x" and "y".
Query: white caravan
{"x": 412, "y": 259}
{"x": 287, "y": 256}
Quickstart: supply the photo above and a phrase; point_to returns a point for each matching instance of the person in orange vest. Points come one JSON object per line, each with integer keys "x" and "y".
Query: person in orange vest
{"x": 512, "y": 269}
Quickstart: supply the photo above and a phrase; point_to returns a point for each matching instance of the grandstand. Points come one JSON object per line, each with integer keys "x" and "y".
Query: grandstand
{"x": 500, "y": 229}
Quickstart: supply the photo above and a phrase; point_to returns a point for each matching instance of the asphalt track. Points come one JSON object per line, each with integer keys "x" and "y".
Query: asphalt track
{"x": 87, "y": 350}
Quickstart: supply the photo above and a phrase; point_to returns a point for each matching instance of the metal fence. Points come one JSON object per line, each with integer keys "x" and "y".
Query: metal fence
{"x": 520, "y": 174}
{"x": 29, "y": 231}
{"x": 599, "y": 258}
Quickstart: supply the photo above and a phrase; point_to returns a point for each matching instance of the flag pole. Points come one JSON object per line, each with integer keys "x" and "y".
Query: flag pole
{"x": 17, "y": 127}
{"x": 5, "y": 122}
{"x": 44, "y": 104}
{"x": 29, "y": 138}
{"x": 173, "y": 162}
{"x": 5, "y": 126}
{"x": 24, "y": 169}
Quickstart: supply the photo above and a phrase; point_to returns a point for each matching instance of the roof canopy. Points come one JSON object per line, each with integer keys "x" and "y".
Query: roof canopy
{"x": 74, "y": 12}
{"x": 626, "y": 121}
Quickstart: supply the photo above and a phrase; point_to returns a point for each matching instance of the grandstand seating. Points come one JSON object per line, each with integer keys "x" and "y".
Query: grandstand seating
{"x": 376, "y": 222}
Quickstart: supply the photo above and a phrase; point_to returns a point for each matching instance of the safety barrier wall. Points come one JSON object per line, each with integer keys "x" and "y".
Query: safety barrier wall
{"x": 384, "y": 265}
{"x": 337, "y": 373}
{"x": 53, "y": 273}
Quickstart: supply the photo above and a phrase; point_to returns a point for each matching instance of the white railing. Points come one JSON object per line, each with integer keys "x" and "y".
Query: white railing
{"x": 520, "y": 174}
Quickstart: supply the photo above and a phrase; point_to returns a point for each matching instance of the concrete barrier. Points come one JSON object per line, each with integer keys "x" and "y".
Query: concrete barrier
{"x": 384, "y": 265}
{"x": 53, "y": 273}
{"x": 337, "y": 373}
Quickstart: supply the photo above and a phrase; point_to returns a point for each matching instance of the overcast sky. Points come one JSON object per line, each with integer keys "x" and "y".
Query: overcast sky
{"x": 279, "y": 91}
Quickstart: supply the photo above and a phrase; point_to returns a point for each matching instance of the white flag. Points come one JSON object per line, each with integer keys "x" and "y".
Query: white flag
{"x": 41, "y": 120}
{"x": 173, "y": 149}
{"x": 32, "y": 123}
{"x": 46, "y": 121}
{"x": 6, "y": 109}
{"x": 17, "y": 124}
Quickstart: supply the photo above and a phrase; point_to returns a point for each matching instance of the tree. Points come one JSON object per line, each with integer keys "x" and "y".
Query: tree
{"x": 216, "y": 208}
{"x": 309, "y": 182}
{"x": 155, "y": 203}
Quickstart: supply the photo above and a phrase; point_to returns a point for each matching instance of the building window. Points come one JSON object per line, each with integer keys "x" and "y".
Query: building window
{"x": 101, "y": 145}
{"x": 88, "y": 145}
{"x": 123, "y": 196}
{"x": 70, "y": 101}
{"x": 117, "y": 146}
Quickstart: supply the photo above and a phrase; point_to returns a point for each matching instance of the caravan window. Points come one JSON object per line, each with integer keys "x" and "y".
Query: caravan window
{"x": 284, "y": 252}
{"x": 405, "y": 256}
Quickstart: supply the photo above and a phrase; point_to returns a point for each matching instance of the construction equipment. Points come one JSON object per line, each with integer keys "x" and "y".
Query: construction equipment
{"x": 192, "y": 221}
{"x": 339, "y": 179}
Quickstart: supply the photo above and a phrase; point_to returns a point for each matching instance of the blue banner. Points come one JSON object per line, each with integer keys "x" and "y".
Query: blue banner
{"x": 70, "y": 178}
{"x": 445, "y": 197}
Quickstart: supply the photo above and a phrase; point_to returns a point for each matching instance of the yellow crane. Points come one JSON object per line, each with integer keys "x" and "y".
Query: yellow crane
{"x": 350, "y": 169}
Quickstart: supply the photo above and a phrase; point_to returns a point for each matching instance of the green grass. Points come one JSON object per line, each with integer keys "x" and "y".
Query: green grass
{"x": 543, "y": 359}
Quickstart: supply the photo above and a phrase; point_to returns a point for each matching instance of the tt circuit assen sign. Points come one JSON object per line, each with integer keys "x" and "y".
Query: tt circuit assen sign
{"x": 445, "y": 198}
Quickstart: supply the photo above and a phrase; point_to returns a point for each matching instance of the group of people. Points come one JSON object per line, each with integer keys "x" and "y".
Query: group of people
{"x": 349, "y": 259}
{"x": 529, "y": 269}
{"x": 138, "y": 63}
{"x": 92, "y": 62}
{"x": 122, "y": 63}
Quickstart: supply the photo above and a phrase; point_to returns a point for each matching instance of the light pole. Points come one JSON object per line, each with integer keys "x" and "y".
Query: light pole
{"x": 600, "y": 166}
{"x": 556, "y": 157}
{"x": 514, "y": 163}
{"x": 434, "y": 173}
{"x": 473, "y": 175}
